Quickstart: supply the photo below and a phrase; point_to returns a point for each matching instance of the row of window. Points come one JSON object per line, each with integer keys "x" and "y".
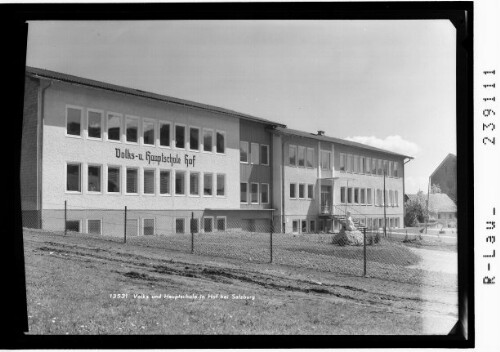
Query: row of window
{"x": 370, "y": 166}
{"x": 146, "y": 131}
{"x": 363, "y": 196}
{"x": 199, "y": 183}
{"x": 257, "y": 154}
{"x": 252, "y": 195}
{"x": 305, "y": 226}
{"x": 94, "y": 226}
{"x": 302, "y": 188}
{"x": 299, "y": 156}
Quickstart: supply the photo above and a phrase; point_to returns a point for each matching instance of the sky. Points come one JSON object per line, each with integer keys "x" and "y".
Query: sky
{"x": 386, "y": 83}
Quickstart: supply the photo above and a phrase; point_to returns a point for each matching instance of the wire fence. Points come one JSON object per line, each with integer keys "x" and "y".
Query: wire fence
{"x": 255, "y": 237}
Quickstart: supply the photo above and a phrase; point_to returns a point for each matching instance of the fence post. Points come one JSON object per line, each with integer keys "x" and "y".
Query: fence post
{"x": 192, "y": 232}
{"x": 125, "y": 226}
{"x": 364, "y": 252}
{"x": 271, "y": 240}
{"x": 65, "y": 217}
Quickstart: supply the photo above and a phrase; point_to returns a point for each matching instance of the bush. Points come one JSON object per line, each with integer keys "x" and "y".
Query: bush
{"x": 377, "y": 238}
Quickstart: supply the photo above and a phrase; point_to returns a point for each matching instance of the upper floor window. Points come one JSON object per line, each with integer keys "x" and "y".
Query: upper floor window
{"x": 310, "y": 191}
{"x": 293, "y": 187}
{"x": 356, "y": 163}
{"x": 148, "y": 132}
{"x": 164, "y": 182}
{"x": 220, "y": 141}
{"x": 221, "y": 185}
{"x": 374, "y": 166}
{"x": 132, "y": 180}
{"x": 164, "y": 134}
{"x": 396, "y": 167}
{"x": 254, "y": 193}
{"x": 244, "y": 152}
{"x": 342, "y": 195}
{"x": 73, "y": 121}
{"x": 94, "y": 178}
{"x": 180, "y": 136}
{"x": 194, "y": 138}
{"x": 208, "y": 182}
{"x": 264, "y": 193}
{"x": 302, "y": 156}
{"x": 310, "y": 157}
{"x": 149, "y": 181}
{"x": 343, "y": 162}
{"x": 254, "y": 153}
{"x": 292, "y": 155}
{"x": 264, "y": 154}
{"x": 132, "y": 129}
{"x": 349, "y": 163}
{"x": 94, "y": 124}
{"x": 194, "y": 183}
{"x": 243, "y": 192}
{"x": 325, "y": 160}
{"x": 73, "y": 178}
{"x": 180, "y": 182}
{"x": 113, "y": 179}
{"x": 362, "y": 164}
{"x": 208, "y": 136}
{"x": 368, "y": 165}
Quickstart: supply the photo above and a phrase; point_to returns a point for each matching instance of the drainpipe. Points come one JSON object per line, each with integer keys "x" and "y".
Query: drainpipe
{"x": 404, "y": 207}
{"x": 283, "y": 220}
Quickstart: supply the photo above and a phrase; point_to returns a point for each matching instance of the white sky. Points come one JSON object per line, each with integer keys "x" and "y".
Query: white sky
{"x": 390, "y": 84}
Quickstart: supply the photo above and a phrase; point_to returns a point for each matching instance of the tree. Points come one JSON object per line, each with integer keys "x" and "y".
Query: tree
{"x": 416, "y": 210}
{"x": 435, "y": 188}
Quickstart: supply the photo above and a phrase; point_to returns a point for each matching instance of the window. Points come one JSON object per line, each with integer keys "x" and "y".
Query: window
{"x": 362, "y": 196}
{"x": 194, "y": 225}
{"x": 264, "y": 193}
{"x": 73, "y": 178}
{"x": 208, "y": 224}
{"x": 73, "y": 121}
{"x": 302, "y": 156}
{"x": 94, "y": 178}
{"x": 356, "y": 163}
{"x": 194, "y": 184}
{"x": 132, "y": 181}
{"x": 94, "y": 227}
{"x": 369, "y": 196}
{"x": 243, "y": 192}
{"x": 379, "y": 198}
{"x": 310, "y": 158}
{"x": 73, "y": 225}
{"x": 368, "y": 166}
{"x": 310, "y": 191}
{"x": 386, "y": 198}
{"x": 391, "y": 198}
{"x": 396, "y": 169}
{"x": 374, "y": 166}
{"x": 132, "y": 129}
{"x": 179, "y": 225}
{"x": 221, "y": 224}
{"x": 180, "y": 136}
{"x": 349, "y": 195}
{"x": 350, "y": 162}
{"x": 396, "y": 222}
{"x": 180, "y": 183}
{"x": 208, "y": 136}
{"x": 164, "y": 182}
{"x": 148, "y": 227}
{"x": 325, "y": 160}
{"x": 343, "y": 162}
{"x": 292, "y": 155}
{"x": 362, "y": 164}
{"x": 149, "y": 182}
{"x": 295, "y": 226}
{"x": 164, "y": 134}
{"x": 220, "y": 142}
{"x": 221, "y": 185}
{"x": 94, "y": 124}
{"x": 254, "y": 193}
{"x": 356, "y": 195}
{"x": 312, "y": 226}
{"x": 396, "y": 197}
{"x": 132, "y": 227}
{"x": 148, "y": 132}
{"x": 264, "y": 154}
{"x": 303, "y": 227}
{"x": 342, "y": 194}
{"x": 391, "y": 168}
{"x": 244, "y": 152}
{"x": 292, "y": 190}
{"x": 194, "y": 138}
{"x": 386, "y": 167}
{"x": 302, "y": 191}
{"x": 379, "y": 171}
{"x": 114, "y": 127}
{"x": 254, "y": 153}
{"x": 208, "y": 184}
{"x": 113, "y": 179}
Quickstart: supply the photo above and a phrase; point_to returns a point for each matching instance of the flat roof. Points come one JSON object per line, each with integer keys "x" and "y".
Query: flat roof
{"x": 292, "y": 132}
{"x": 53, "y": 75}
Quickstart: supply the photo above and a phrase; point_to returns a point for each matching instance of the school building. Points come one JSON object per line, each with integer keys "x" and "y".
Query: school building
{"x": 100, "y": 148}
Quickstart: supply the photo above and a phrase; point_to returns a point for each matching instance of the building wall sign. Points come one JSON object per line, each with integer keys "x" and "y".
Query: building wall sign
{"x": 156, "y": 158}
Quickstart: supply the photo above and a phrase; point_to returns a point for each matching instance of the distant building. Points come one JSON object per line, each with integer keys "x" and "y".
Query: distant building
{"x": 442, "y": 209}
{"x": 445, "y": 176}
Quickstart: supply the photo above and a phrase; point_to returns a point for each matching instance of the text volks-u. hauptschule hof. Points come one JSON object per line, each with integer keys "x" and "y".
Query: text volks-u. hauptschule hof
{"x": 193, "y": 296}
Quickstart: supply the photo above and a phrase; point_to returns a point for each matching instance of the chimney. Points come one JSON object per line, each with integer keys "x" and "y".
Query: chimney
{"x": 321, "y": 133}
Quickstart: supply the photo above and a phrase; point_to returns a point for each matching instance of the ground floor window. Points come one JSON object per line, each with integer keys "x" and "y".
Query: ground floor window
{"x": 312, "y": 226}
{"x": 303, "y": 227}
{"x": 179, "y": 225}
{"x": 94, "y": 227}
{"x": 295, "y": 226}
{"x": 73, "y": 225}
{"x": 208, "y": 224}
{"x": 132, "y": 227}
{"x": 195, "y": 225}
{"x": 148, "y": 227}
{"x": 221, "y": 224}
{"x": 243, "y": 192}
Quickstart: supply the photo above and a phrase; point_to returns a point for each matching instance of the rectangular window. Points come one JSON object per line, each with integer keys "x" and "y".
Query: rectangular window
{"x": 303, "y": 226}
{"x": 396, "y": 169}
{"x": 325, "y": 160}
{"x": 310, "y": 191}
{"x": 312, "y": 226}
{"x": 221, "y": 185}
{"x": 264, "y": 193}
{"x": 221, "y": 224}
{"x": 148, "y": 132}
{"x": 302, "y": 191}
{"x": 194, "y": 184}
{"x": 73, "y": 121}
{"x": 396, "y": 198}
{"x": 362, "y": 196}
{"x": 362, "y": 164}
{"x": 132, "y": 177}
{"x": 132, "y": 227}
{"x": 368, "y": 165}
{"x": 165, "y": 134}
{"x": 94, "y": 124}
{"x": 149, "y": 182}
{"x": 295, "y": 226}
{"x": 254, "y": 153}
{"x": 302, "y": 156}
{"x": 180, "y": 183}
{"x": 244, "y": 152}
{"x": 164, "y": 182}
{"x": 292, "y": 155}
{"x": 94, "y": 227}
{"x": 180, "y": 136}
{"x": 356, "y": 195}
{"x": 208, "y": 136}
{"x": 208, "y": 184}
{"x": 132, "y": 129}
{"x": 369, "y": 196}
{"x": 220, "y": 142}
{"x": 386, "y": 167}
{"x": 114, "y": 179}
{"x": 254, "y": 193}
{"x": 356, "y": 163}
{"x": 342, "y": 195}
{"x": 349, "y": 163}
{"x": 73, "y": 225}
{"x": 148, "y": 227}
{"x": 292, "y": 190}
{"x": 194, "y": 225}
{"x": 94, "y": 178}
{"x": 386, "y": 200}
{"x": 310, "y": 158}
{"x": 349, "y": 195}
{"x": 264, "y": 154}
{"x": 73, "y": 178}
{"x": 179, "y": 225}
{"x": 379, "y": 171}
{"x": 391, "y": 168}
{"x": 374, "y": 166}
{"x": 208, "y": 224}
{"x": 342, "y": 162}
{"x": 194, "y": 138}
{"x": 243, "y": 192}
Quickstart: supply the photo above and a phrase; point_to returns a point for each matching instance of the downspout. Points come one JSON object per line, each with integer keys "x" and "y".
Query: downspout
{"x": 404, "y": 207}
{"x": 40, "y": 146}
{"x": 283, "y": 220}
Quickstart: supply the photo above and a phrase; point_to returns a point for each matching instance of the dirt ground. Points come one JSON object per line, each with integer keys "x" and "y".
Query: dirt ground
{"x": 78, "y": 285}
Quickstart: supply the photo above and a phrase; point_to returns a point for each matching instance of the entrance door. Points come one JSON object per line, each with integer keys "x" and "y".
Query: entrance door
{"x": 326, "y": 199}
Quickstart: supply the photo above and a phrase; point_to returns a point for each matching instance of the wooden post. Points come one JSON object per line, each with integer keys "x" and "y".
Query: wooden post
{"x": 271, "y": 239}
{"x": 364, "y": 252}
{"x": 65, "y": 217}
{"x": 192, "y": 232}
{"x": 125, "y": 227}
